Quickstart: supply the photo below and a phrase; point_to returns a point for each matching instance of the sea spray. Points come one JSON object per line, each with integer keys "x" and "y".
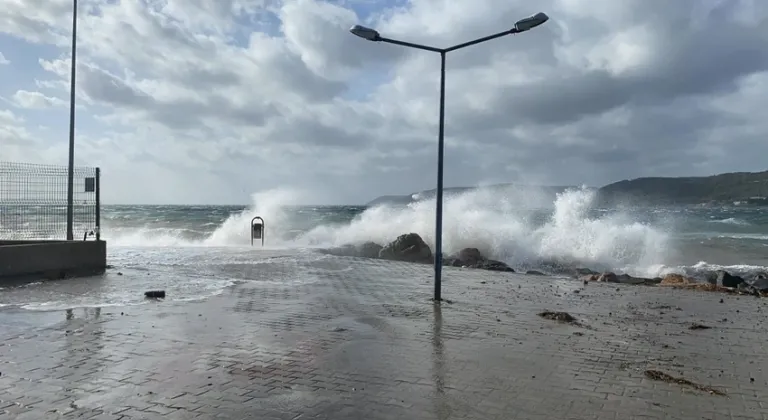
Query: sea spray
{"x": 505, "y": 227}
{"x": 510, "y": 226}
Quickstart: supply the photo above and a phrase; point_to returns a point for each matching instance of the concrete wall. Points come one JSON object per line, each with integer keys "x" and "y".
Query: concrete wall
{"x": 52, "y": 259}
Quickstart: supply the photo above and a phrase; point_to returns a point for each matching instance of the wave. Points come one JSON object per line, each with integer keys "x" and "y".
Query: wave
{"x": 702, "y": 269}
{"x": 752, "y": 236}
{"x": 731, "y": 221}
{"x": 501, "y": 226}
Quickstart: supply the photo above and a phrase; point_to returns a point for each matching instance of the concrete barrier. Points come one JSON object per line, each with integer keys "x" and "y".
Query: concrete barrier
{"x": 52, "y": 259}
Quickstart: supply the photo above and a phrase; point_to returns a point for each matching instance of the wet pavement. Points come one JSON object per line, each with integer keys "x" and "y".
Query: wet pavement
{"x": 346, "y": 338}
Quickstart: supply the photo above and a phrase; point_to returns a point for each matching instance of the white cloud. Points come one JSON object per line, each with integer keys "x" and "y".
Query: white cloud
{"x": 36, "y": 100}
{"x": 3, "y": 60}
{"x": 209, "y": 100}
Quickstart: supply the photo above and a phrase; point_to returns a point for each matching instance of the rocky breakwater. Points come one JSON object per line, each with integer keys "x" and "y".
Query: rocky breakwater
{"x": 715, "y": 281}
{"x": 721, "y": 281}
{"x": 410, "y": 247}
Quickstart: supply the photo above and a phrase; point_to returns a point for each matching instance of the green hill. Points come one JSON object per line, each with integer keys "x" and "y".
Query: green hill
{"x": 747, "y": 187}
{"x": 723, "y": 188}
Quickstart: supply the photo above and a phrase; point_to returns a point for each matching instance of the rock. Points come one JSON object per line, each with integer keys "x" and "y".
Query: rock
{"x": 409, "y": 247}
{"x": 675, "y": 279}
{"x": 761, "y": 285}
{"x": 469, "y": 256}
{"x": 472, "y": 258}
{"x": 494, "y": 265}
{"x": 627, "y": 279}
{"x": 534, "y": 273}
{"x": 725, "y": 279}
{"x": 608, "y": 278}
{"x": 155, "y": 294}
{"x": 585, "y": 271}
{"x": 557, "y": 316}
{"x": 590, "y": 277}
{"x": 758, "y": 287}
{"x": 368, "y": 250}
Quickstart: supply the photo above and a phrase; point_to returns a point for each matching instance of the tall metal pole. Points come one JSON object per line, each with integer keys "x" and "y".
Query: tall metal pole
{"x": 373, "y": 35}
{"x": 439, "y": 196}
{"x": 97, "y": 186}
{"x": 71, "y": 169}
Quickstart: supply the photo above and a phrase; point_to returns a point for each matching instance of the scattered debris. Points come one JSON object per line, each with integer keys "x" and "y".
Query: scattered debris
{"x": 155, "y": 294}
{"x": 558, "y": 316}
{"x": 657, "y": 375}
{"x": 696, "y": 326}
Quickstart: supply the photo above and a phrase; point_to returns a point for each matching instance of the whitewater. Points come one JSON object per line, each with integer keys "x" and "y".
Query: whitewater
{"x": 198, "y": 251}
{"x": 641, "y": 242}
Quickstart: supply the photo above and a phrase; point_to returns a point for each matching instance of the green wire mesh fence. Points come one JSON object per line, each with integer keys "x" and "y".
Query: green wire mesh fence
{"x": 33, "y": 202}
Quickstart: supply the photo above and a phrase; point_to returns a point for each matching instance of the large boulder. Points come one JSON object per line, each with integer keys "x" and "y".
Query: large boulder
{"x": 472, "y": 258}
{"x": 409, "y": 247}
{"x": 469, "y": 256}
{"x": 757, "y": 285}
{"x": 369, "y": 250}
{"x": 724, "y": 279}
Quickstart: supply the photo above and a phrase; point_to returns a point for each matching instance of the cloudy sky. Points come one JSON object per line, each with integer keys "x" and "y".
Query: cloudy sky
{"x": 208, "y": 101}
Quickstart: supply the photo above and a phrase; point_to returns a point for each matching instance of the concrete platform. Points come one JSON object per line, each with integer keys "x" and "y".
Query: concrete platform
{"x": 345, "y": 338}
{"x": 51, "y": 259}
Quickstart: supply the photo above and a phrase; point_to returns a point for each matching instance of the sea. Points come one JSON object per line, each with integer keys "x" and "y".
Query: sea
{"x": 197, "y": 251}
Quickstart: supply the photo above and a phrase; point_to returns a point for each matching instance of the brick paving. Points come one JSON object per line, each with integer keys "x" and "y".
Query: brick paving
{"x": 344, "y": 338}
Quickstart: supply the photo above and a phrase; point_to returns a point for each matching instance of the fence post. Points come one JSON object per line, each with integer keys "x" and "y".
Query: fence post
{"x": 98, "y": 204}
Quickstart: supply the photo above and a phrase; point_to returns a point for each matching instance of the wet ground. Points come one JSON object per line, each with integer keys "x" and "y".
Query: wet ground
{"x": 345, "y": 338}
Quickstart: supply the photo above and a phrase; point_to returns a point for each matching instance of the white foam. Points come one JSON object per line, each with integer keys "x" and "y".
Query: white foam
{"x": 702, "y": 269}
{"x": 731, "y": 221}
{"x": 499, "y": 225}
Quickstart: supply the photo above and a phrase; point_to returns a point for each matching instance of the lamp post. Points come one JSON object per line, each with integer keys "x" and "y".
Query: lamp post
{"x": 71, "y": 166}
{"x": 369, "y": 34}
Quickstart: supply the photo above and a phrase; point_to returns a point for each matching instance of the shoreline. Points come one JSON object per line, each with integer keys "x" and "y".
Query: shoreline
{"x": 410, "y": 247}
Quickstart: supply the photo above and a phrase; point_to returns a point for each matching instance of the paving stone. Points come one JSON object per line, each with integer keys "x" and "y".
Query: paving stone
{"x": 349, "y": 338}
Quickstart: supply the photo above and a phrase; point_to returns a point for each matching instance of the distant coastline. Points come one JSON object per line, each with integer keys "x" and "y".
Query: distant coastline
{"x": 735, "y": 188}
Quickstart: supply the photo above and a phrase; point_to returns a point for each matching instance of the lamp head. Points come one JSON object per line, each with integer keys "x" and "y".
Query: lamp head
{"x": 365, "y": 33}
{"x": 529, "y": 23}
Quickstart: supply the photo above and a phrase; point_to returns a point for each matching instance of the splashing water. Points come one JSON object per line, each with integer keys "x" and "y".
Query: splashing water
{"x": 507, "y": 227}
{"x": 507, "y": 231}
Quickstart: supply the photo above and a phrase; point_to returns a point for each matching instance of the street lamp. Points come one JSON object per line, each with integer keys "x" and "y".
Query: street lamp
{"x": 71, "y": 166}
{"x": 369, "y": 34}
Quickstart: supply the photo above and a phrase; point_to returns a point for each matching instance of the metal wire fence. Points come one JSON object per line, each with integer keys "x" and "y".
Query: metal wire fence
{"x": 33, "y": 202}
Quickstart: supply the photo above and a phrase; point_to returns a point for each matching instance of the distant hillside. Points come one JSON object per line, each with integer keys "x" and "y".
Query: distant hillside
{"x": 723, "y": 188}
{"x": 745, "y": 187}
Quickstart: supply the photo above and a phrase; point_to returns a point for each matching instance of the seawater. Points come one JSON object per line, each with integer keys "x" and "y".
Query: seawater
{"x": 179, "y": 248}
